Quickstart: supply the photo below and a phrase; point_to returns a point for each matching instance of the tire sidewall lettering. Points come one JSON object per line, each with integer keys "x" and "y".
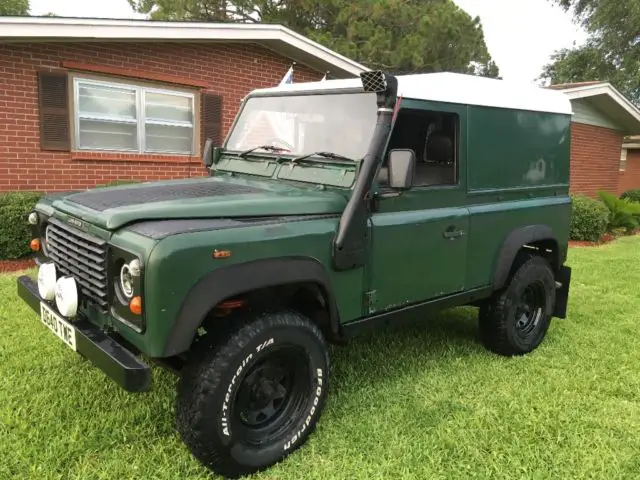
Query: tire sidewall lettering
{"x": 301, "y": 429}
{"x": 230, "y": 391}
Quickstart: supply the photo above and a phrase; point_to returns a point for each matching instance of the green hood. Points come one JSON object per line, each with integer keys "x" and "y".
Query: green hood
{"x": 114, "y": 207}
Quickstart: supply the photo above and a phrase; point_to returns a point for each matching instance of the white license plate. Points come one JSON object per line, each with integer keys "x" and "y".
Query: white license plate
{"x": 63, "y": 329}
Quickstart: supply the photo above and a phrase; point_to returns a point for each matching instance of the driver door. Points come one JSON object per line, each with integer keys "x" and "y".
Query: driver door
{"x": 419, "y": 237}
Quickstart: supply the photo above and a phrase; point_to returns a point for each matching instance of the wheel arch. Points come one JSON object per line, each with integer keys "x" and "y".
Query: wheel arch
{"x": 234, "y": 280}
{"x": 535, "y": 237}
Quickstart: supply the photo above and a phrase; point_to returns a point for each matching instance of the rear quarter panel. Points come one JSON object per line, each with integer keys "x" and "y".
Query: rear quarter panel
{"x": 518, "y": 175}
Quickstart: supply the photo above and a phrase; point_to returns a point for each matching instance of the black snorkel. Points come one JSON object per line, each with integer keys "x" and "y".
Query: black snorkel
{"x": 349, "y": 245}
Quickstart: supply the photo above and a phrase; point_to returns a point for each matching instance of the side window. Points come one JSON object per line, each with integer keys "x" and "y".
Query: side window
{"x": 433, "y": 136}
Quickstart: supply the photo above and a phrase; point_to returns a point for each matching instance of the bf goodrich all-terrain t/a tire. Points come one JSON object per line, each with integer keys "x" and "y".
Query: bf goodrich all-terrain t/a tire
{"x": 253, "y": 397}
{"x": 516, "y": 319}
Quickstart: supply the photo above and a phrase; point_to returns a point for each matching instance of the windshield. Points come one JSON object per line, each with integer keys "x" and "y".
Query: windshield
{"x": 302, "y": 124}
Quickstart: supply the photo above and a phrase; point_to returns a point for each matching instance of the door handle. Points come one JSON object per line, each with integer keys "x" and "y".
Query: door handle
{"x": 451, "y": 234}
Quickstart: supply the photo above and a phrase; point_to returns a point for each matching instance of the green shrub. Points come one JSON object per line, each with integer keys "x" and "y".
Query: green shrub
{"x": 15, "y": 232}
{"x": 623, "y": 213}
{"x": 589, "y": 219}
{"x": 633, "y": 195}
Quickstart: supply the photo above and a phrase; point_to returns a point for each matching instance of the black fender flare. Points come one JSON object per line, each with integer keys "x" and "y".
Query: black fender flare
{"x": 226, "y": 282}
{"x": 513, "y": 243}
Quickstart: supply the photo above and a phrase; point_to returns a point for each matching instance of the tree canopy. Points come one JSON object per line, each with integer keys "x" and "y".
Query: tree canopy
{"x": 14, "y": 7}
{"x": 612, "y": 50}
{"x": 403, "y": 36}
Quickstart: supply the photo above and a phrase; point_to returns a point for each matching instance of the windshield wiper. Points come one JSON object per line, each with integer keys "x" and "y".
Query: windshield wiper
{"x": 270, "y": 148}
{"x": 331, "y": 155}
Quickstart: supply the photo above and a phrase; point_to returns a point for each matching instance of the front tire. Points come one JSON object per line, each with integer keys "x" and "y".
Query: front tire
{"x": 245, "y": 404}
{"x": 516, "y": 319}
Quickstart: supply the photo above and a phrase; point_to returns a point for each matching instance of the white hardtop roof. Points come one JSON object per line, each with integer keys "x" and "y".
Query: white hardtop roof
{"x": 454, "y": 88}
{"x": 275, "y": 37}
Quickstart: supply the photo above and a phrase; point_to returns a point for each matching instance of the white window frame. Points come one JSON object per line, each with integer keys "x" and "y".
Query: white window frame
{"x": 623, "y": 160}
{"x": 140, "y": 121}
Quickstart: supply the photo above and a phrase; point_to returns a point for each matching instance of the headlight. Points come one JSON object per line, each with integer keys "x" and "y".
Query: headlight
{"x": 126, "y": 281}
{"x": 33, "y": 218}
{"x": 127, "y": 286}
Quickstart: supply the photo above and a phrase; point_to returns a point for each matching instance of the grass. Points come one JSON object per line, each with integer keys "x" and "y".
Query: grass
{"x": 424, "y": 402}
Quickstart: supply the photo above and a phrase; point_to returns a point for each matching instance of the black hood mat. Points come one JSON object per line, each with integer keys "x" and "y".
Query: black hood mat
{"x": 159, "y": 229}
{"x": 101, "y": 200}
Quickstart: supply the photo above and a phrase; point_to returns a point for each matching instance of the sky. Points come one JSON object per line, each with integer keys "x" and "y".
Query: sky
{"x": 521, "y": 34}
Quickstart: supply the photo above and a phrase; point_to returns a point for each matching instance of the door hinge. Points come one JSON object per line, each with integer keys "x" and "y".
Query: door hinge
{"x": 370, "y": 301}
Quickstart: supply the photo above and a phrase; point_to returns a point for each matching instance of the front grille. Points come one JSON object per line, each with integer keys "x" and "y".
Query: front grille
{"x": 81, "y": 256}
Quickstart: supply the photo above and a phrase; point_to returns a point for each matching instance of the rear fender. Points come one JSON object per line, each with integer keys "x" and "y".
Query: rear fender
{"x": 512, "y": 245}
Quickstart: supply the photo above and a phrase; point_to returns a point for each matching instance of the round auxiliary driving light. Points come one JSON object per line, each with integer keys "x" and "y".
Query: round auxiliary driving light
{"x": 47, "y": 281}
{"x": 126, "y": 281}
{"x": 33, "y": 218}
{"x": 67, "y": 296}
{"x": 135, "y": 268}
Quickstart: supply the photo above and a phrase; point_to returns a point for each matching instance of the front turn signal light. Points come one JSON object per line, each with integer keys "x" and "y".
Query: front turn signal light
{"x": 135, "y": 305}
{"x": 217, "y": 254}
{"x": 35, "y": 244}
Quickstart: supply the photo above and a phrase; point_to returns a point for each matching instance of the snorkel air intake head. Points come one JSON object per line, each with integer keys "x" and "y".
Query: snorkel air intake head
{"x": 383, "y": 84}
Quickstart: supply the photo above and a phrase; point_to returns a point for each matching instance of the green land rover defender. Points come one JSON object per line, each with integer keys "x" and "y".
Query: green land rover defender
{"x": 331, "y": 207}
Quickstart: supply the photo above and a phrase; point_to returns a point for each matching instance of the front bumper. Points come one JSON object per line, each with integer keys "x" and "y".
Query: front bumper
{"x": 118, "y": 363}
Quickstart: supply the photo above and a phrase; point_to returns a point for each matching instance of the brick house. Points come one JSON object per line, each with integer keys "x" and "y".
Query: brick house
{"x": 602, "y": 118}
{"x": 87, "y": 101}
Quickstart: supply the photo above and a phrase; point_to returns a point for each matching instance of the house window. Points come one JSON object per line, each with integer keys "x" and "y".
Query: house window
{"x": 130, "y": 118}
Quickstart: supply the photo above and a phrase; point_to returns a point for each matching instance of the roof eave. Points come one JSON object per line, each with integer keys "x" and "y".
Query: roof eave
{"x": 275, "y": 37}
{"x": 629, "y": 114}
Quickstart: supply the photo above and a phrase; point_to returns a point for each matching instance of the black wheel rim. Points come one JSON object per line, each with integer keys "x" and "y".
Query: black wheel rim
{"x": 272, "y": 394}
{"x": 530, "y": 310}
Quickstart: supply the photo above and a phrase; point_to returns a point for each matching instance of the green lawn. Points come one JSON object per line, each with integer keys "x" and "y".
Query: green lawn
{"x": 425, "y": 402}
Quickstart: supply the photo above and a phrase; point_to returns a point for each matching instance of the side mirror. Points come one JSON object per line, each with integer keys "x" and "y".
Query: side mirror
{"x": 207, "y": 153}
{"x": 210, "y": 153}
{"x": 401, "y": 168}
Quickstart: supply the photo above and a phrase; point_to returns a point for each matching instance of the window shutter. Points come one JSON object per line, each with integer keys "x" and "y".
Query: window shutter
{"x": 212, "y": 118}
{"x": 54, "y": 111}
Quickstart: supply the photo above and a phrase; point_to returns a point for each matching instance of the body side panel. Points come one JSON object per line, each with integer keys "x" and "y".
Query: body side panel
{"x": 518, "y": 176}
{"x": 492, "y": 223}
{"x": 512, "y": 148}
